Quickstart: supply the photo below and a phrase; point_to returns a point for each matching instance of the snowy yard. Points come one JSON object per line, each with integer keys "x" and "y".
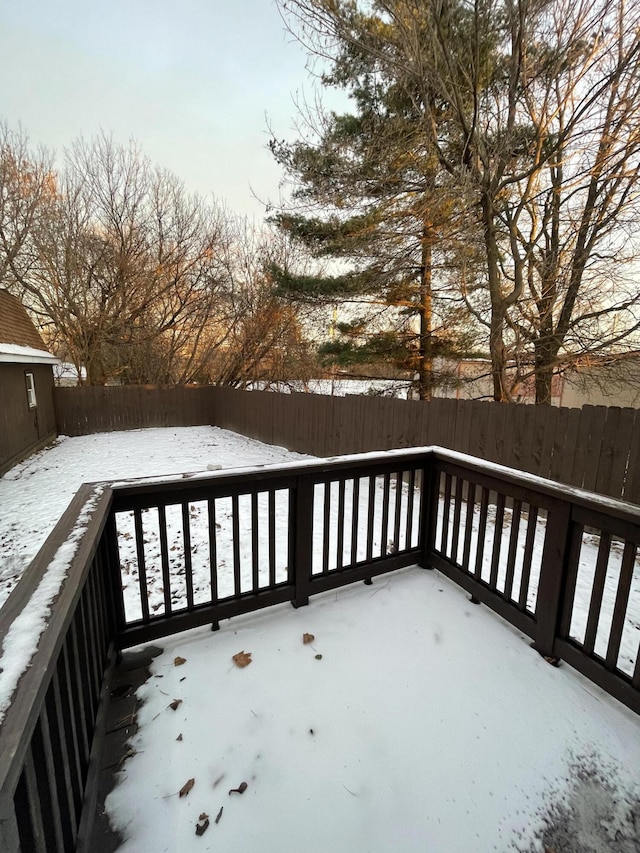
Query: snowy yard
{"x": 426, "y": 724}
{"x": 34, "y": 494}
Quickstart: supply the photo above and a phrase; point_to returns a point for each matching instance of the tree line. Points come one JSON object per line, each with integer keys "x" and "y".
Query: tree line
{"x": 479, "y": 197}
{"x": 481, "y": 193}
{"x": 134, "y": 280}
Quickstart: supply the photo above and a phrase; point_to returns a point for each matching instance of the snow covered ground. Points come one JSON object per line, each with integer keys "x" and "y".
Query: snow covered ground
{"x": 427, "y": 724}
{"x": 35, "y": 493}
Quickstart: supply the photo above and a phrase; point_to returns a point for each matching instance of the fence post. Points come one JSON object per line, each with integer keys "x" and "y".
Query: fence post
{"x": 553, "y": 576}
{"x": 301, "y": 519}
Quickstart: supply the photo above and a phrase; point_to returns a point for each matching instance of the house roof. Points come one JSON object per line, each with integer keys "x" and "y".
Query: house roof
{"x": 20, "y": 341}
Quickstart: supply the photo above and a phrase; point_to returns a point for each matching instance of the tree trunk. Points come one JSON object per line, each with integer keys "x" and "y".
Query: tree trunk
{"x": 425, "y": 364}
{"x": 498, "y": 306}
{"x": 546, "y": 352}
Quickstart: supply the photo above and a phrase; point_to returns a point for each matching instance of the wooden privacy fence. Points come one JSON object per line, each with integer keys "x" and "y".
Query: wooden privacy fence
{"x": 595, "y": 448}
{"x": 563, "y": 566}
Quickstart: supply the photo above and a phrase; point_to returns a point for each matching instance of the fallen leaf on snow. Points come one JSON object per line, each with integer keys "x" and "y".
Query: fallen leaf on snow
{"x": 318, "y": 657}
{"x": 242, "y": 658}
{"x": 179, "y": 661}
{"x": 219, "y": 815}
{"x": 201, "y": 828}
{"x": 203, "y": 816}
{"x": 242, "y": 787}
{"x": 179, "y": 737}
{"x": 175, "y": 704}
{"x": 188, "y": 785}
{"x": 307, "y": 638}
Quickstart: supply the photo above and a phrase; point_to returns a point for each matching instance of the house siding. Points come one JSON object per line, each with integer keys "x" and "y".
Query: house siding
{"x": 23, "y": 430}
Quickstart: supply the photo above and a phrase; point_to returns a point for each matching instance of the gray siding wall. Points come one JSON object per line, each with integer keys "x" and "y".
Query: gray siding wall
{"x": 23, "y": 430}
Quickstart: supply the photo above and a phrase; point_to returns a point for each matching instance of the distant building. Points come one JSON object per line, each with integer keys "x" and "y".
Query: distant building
{"x": 27, "y": 414}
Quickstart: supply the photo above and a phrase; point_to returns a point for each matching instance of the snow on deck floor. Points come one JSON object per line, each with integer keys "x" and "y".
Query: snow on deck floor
{"x": 427, "y": 725}
{"x": 35, "y": 493}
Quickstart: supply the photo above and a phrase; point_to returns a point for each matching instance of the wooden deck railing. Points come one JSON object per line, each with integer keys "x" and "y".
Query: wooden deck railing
{"x": 160, "y": 557}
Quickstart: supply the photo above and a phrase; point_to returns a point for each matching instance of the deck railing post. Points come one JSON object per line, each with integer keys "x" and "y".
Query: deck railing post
{"x": 428, "y": 508}
{"x": 114, "y": 581}
{"x": 553, "y": 574}
{"x": 302, "y": 545}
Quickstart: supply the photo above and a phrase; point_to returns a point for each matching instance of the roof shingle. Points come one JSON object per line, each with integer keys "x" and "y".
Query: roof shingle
{"x": 15, "y": 325}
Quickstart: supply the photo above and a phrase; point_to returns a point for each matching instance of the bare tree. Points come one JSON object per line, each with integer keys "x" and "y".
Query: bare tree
{"x": 537, "y": 127}
{"x": 26, "y": 187}
{"x": 123, "y": 259}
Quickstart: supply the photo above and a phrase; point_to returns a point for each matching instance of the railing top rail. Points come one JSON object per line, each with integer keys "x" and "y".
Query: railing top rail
{"x": 273, "y": 472}
{"x": 582, "y": 497}
{"x": 181, "y": 485}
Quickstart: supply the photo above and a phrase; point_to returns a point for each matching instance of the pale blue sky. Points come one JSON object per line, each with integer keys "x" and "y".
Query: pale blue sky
{"x": 191, "y": 80}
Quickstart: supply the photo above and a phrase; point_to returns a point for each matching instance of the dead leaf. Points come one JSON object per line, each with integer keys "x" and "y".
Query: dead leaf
{"x": 175, "y": 704}
{"x": 179, "y": 737}
{"x": 179, "y": 661}
{"x": 201, "y": 828}
{"x": 203, "y": 816}
{"x": 242, "y": 659}
{"x": 242, "y": 787}
{"x": 219, "y": 815}
{"x": 188, "y": 785}
{"x": 307, "y": 638}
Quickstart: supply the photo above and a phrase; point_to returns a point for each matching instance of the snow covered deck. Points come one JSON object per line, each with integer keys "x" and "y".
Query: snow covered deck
{"x": 167, "y": 555}
{"x": 412, "y": 721}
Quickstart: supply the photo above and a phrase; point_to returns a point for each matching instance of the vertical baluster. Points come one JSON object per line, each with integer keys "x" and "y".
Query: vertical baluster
{"x": 468, "y": 527}
{"x": 410, "y": 502}
{"x": 398, "y": 512}
{"x": 114, "y": 574}
{"x": 532, "y": 522}
{"x": 70, "y": 718}
{"x": 513, "y": 548}
{"x": 272, "y": 538}
{"x": 47, "y": 783}
{"x": 292, "y": 534}
{"x": 235, "y": 526}
{"x": 164, "y": 559}
{"x": 188, "y": 563}
{"x": 213, "y": 549}
{"x": 62, "y": 761}
{"x": 97, "y": 585}
{"x": 446, "y": 510}
{"x": 597, "y": 591}
{"x": 457, "y": 511}
{"x": 142, "y": 572}
{"x": 82, "y": 707}
{"x": 254, "y": 542}
{"x": 371, "y": 510}
{"x": 384, "y": 532}
{"x": 30, "y": 822}
{"x": 340, "y": 521}
{"x": 326, "y": 527}
{"x": 91, "y": 642}
{"x": 482, "y": 531}
{"x": 497, "y": 541}
{"x": 620, "y": 607}
{"x": 355, "y": 518}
